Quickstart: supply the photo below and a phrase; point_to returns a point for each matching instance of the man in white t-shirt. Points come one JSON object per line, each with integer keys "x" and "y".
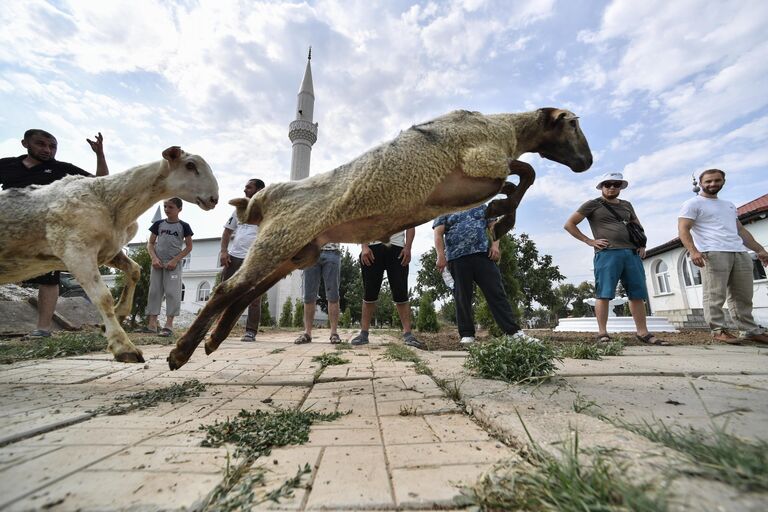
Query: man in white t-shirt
{"x": 235, "y": 242}
{"x": 715, "y": 239}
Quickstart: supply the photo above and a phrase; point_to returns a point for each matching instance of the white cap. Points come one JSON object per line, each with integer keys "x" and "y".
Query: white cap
{"x": 612, "y": 176}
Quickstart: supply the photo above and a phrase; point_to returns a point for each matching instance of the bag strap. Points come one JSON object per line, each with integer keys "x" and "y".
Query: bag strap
{"x": 610, "y": 209}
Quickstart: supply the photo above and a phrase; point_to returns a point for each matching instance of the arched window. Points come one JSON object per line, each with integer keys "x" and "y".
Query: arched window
{"x": 183, "y": 289}
{"x": 203, "y": 291}
{"x": 661, "y": 274}
{"x": 691, "y": 273}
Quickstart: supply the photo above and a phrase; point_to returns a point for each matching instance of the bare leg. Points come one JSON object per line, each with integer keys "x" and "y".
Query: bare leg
{"x": 368, "y": 309}
{"x": 333, "y": 316}
{"x": 309, "y": 317}
{"x": 152, "y": 322}
{"x": 169, "y": 322}
{"x": 47, "y": 296}
{"x": 637, "y": 308}
{"x": 404, "y": 311}
{"x": 601, "y": 313}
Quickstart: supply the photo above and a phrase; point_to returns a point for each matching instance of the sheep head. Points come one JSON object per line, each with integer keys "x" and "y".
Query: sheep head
{"x": 190, "y": 178}
{"x": 562, "y": 139}
{"x": 248, "y": 211}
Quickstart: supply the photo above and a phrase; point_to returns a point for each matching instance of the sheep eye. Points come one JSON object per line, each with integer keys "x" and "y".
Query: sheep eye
{"x": 191, "y": 166}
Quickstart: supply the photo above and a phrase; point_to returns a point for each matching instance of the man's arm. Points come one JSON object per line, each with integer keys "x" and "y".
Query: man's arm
{"x": 98, "y": 147}
{"x": 752, "y": 244}
{"x": 177, "y": 259}
{"x": 405, "y": 254}
{"x": 684, "y": 226}
{"x": 571, "y": 226}
{"x": 366, "y": 255}
{"x": 224, "y": 259}
{"x": 439, "y": 231}
{"x": 151, "y": 250}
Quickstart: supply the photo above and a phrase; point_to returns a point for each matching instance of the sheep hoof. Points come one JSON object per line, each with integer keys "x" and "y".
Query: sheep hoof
{"x": 175, "y": 361}
{"x": 210, "y": 347}
{"x": 129, "y": 357}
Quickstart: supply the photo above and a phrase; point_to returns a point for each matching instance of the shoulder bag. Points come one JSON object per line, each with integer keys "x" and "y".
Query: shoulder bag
{"x": 635, "y": 230}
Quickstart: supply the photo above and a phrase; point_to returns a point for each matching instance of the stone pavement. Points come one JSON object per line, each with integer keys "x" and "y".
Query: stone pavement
{"x": 405, "y": 446}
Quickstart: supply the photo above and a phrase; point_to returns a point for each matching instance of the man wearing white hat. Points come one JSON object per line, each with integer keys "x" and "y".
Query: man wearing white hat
{"x": 618, "y": 253}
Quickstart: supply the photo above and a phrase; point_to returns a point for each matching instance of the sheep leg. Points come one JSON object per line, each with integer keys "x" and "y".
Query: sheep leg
{"x": 507, "y": 208}
{"x": 229, "y": 318}
{"x": 132, "y": 272}
{"x": 85, "y": 269}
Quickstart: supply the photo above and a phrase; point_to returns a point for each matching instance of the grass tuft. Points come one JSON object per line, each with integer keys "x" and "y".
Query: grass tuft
{"x": 717, "y": 454}
{"x": 276, "y": 351}
{"x": 512, "y": 360}
{"x": 329, "y": 359}
{"x": 344, "y": 345}
{"x": 396, "y": 352}
{"x": 591, "y": 350}
{"x": 146, "y": 399}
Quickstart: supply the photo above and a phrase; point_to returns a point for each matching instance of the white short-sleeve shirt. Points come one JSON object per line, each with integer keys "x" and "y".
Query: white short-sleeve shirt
{"x": 714, "y": 224}
{"x": 242, "y": 238}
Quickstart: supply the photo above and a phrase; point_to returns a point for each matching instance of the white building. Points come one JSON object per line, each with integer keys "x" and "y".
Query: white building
{"x": 674, "y": 282}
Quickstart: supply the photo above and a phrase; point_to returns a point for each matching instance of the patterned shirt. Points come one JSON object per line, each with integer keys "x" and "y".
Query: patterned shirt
{"x": 465, "y": 232}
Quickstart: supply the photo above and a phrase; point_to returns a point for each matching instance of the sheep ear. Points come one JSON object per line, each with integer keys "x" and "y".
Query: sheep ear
{"x": 172, "y": 153}
{"x": 553, "y": 116}
{"x": 248, "y": 211}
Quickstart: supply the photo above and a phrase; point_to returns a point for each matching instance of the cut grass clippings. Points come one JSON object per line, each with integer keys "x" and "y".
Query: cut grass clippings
{"x": 255, "y": 434}
{"x": 329, "y": 359}
{"x": 64, "y": 344}
{"x": 591, "y": 350}
{"x": 395, "y": 352}
{"x": 146, "y": 399}
{"x": 512, "y": 360}
{"x": 574, "y": 481}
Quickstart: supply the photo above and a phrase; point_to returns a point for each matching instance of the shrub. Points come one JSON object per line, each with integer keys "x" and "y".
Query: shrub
{"x": 517, "y": 358}
{"x": 346, "y": 318}
{"x": 266, "y": 316}
{"x": 298, "y": 314}
{"x": 427, "y": 319}
{"x": 285, "y": 316}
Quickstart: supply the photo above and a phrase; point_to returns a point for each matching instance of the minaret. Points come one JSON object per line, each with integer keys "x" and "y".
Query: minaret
{"x": 302, "y": 131}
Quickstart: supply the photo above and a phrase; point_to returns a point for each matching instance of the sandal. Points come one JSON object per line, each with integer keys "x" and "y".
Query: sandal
{"x": 335, "y": 338}
{"x": 650, "y": 336}
{"x": 304, "y": 338}
{"x": 165, "y": 332}
{"x": 603, "y": 338}
{"x": 146, "y": 330}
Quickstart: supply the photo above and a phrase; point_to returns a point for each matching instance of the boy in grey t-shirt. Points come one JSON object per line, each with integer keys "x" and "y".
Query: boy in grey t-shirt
{"x": 170, "y": 241}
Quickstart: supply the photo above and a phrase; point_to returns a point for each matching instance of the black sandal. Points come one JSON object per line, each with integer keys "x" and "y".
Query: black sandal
{"x": 603, "y": 338}
{"x": 650, "y": 336}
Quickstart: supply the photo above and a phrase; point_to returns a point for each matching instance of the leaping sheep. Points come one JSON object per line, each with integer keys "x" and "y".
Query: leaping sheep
{"x": 451, "y": 163}
{"x": 79, "y": 223}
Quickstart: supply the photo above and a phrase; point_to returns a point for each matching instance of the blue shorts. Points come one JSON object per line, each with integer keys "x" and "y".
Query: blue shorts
{"x": 329, "y": 267}
{"x": 612, "y": 265}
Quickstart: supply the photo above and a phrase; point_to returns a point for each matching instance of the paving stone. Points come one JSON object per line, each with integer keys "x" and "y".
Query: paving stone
{"x": 440, "y": 454}
{"x": 283, "y": 464}
{"x": 406, "y": 430}
{"x": 433, "y": 486}
{"x": 456, "y": 427}
{"x": 351, "y": 477}
{"x": 359, "y": 404}
{"x": 420, "y": 406}
{"x": 344, "y": 436}
{"x": 171, "y": 459}
{"x": 133, "y": 490}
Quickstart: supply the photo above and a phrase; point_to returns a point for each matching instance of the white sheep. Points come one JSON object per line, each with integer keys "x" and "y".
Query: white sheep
{"x": 78, "y": 223}
{"x": 451, "y": 163}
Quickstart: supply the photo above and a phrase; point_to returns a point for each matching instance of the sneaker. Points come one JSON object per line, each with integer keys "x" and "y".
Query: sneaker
{"x": 39, "y": 333}
{"x": 726, "y": 337}
{"x": 467, "y": 340}
{"x": 335, "y": 339}
{"x": 411, "y": 341}
{"x": 760, "y": 338}
{"x": 304, "y": 338}
{"x": 360, "y": 339}
{"x": 248, "y": 336}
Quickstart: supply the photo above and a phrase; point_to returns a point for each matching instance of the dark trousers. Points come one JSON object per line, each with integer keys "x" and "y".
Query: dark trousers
{"x": 254, "y": 309}
{"x": 478, "y": 268}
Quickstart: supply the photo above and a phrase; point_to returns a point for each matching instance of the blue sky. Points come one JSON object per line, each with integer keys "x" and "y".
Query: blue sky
{"x": 663, "y": 89}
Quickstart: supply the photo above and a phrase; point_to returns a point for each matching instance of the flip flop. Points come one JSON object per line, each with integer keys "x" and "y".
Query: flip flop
{"x": 335, "y": 338}
{"x": 650, "y": 336}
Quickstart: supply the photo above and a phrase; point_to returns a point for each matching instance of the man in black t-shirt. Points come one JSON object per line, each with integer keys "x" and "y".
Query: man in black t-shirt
{"x": 40, "y": 167}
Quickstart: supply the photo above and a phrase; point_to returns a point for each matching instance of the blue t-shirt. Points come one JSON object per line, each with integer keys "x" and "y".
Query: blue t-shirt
{"x": 465, "y": 232}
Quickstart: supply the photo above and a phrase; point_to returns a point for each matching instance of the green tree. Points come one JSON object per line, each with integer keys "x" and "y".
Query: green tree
{"x": 350, "y": 285}
{"x": 429, "y": 279}
{"x": 298, "y": 313}
{"x": 569, "y": 300}
{"x": 426, "y": 321}
{"x": 448, "y": 311}
{"x": 285, "y": 315}
{"x": 141, "y": 256}
{"x": 346, "y": 318}
{"x": 266, "y": 316}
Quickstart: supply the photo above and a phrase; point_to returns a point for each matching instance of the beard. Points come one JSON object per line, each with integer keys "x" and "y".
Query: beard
{"x": 711, "y": 189}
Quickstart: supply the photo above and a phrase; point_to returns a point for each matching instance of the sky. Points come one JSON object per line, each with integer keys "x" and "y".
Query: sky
{"x": 663, "y": 90}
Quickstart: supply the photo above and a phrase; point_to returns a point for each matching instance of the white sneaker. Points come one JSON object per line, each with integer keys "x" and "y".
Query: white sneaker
{"x": 466, "y": 340}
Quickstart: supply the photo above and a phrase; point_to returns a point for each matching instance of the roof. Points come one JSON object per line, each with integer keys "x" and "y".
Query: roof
{"x": 748, "y": 212}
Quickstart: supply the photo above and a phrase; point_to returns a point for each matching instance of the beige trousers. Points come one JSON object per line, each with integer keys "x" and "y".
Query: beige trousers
{"x": 728, "y": 275}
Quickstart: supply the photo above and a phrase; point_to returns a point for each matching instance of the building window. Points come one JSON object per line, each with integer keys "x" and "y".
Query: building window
{"x": 758, "y": 270}
{"x": 185, "y": 263}
{"x": 661, "y": 272}
{"x": 203, "y": 291}
{"x": 183, "y": 289}
{"x": 691, "y": 273}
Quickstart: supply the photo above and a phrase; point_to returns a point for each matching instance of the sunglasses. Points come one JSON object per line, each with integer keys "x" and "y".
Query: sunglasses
{"x": 612, "y": 184}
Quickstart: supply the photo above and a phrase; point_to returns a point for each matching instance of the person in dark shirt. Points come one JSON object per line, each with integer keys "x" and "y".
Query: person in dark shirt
{"x": 40, "y": 167}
